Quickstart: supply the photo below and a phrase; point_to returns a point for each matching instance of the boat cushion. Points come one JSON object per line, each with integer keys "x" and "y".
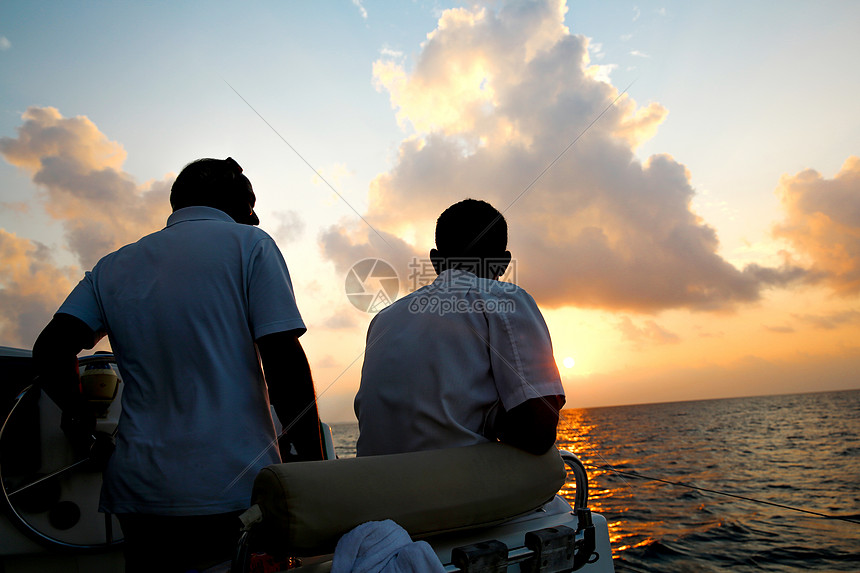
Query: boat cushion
{"x": 308, "y": 506}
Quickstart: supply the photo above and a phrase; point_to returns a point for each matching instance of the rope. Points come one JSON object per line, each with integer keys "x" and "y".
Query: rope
{"x": 734, "y": 495}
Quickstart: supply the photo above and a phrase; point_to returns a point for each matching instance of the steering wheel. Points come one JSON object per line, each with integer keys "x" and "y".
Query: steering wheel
{"x": 48, "y": 492}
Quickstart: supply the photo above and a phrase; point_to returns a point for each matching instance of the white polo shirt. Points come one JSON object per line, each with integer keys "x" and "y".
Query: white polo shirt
{"x": 182, "y": 308}
{"x": 441, "y": 361}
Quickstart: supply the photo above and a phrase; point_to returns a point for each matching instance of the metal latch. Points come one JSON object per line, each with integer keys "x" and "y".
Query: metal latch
{"x": 553, "y": 550}
{"x": 484, "y": 557}
{"x": 557, "y": 549}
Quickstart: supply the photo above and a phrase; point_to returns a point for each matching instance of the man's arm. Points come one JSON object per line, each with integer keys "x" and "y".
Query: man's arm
{"x": 532, "y": 425}
{"x": 56, "y": 364}
{"x": 291, "y": 391}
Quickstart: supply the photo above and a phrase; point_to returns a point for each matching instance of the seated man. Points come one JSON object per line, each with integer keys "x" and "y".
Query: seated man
{"x": 464, "y": 360}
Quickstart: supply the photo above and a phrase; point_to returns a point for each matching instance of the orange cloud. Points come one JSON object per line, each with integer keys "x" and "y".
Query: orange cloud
{"x": 46, "y": 133}
{"x": 468, "y": 64}
{"x": 647, "y": 334}
{"x": 31, "y": 287}
{"x": 79, "y": 172}
{"x": 823, "y": 223}
{"x": 498, "y": 98}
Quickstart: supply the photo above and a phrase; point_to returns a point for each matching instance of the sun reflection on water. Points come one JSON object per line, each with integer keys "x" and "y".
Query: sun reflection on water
{"x": 798, "y": 450}
{"x": 775, "y": 448}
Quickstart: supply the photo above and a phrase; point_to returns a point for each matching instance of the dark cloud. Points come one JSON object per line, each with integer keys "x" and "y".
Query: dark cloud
{"x": 345, "y": 251}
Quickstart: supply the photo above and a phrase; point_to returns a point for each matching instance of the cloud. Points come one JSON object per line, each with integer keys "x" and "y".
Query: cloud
{"x": 5, "y": 44}
{"x": 493, "y": 99}
{"x": 391, "y": 53}
{"x": 649, "y": 333}
{"x": 830, "y": 321}
{"x": 79, "y": 172}
{"x": 361, "y": 9}
{"x": 81, "y": 184}
{"x": 602, "y": 73}
{"x": 822, "y": 222}
{"x": 342, "y": 321}
{"x": 290, "y": 226}
{"x": 345, "y": 249}
{"x": 15, "y": 207}
{"x": 31, "y": 288}
{"x": 639, "y": 54}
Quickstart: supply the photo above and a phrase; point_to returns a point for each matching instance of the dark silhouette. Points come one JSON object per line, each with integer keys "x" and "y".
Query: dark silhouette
{"x": 186, "y": 310}
{"x": 464, "y": 360}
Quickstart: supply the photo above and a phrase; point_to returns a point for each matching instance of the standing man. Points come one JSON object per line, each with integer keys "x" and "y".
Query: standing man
{"x": 464, "y": 360}
{"x": 186, "y": 310}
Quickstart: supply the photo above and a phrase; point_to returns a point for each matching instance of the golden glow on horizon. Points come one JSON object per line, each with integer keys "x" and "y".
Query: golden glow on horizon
{"x": 451, "y": 86}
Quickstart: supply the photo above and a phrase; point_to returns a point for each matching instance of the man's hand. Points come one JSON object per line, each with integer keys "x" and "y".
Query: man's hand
{"x": 79, "y": 430}
{"x": 100, "y": 451}
{"x": 291, "y": 391}
{"x": 55, "y": 358}
{"x": 87, "y": 443}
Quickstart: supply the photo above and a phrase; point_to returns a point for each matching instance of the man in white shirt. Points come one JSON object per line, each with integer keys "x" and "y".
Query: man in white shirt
{"x": 464, "y": 360}
{"x": 187, "y": 309}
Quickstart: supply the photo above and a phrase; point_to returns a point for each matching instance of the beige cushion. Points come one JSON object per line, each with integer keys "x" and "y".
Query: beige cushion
{"x": 307, "y": 506}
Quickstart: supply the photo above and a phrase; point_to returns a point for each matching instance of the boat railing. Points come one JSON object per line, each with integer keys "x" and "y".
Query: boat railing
{"x": 574, "y": 464}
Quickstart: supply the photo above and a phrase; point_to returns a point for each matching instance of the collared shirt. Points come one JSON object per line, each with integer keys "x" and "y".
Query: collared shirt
{"x": 440, "y": 362}
{"x": 182, "y": 308}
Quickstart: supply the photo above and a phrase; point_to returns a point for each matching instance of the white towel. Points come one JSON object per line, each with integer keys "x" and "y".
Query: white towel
{"x": 383, "y": 547}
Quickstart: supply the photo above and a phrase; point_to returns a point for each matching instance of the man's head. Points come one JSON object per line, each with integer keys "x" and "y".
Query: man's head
{"x": 471, "y": 235}
{"x": 217, "y": 183}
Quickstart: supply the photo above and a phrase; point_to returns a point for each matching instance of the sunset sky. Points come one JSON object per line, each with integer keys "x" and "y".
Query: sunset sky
{"x": 695, "y": 236}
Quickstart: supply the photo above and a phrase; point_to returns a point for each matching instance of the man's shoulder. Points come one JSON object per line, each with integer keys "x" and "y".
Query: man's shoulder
{"x": 502, "y": 290}
{"x": 223, "y": 233}
{"x": 124, "y": 251}
{"x": 399, "y": 307}
{"x": 400, "y": 304}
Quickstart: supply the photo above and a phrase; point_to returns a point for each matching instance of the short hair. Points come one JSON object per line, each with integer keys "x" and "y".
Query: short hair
{"x": 207, "y": 182}
{"x": 471, "y": 228}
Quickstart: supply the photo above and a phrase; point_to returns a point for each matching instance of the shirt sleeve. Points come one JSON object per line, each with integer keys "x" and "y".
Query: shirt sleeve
{"x": 521, "y": 350}
{"x": 82, "y": 303}
{"x": 271, "y": 300}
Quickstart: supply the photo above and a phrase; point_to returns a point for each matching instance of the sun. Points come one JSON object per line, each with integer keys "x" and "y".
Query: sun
{"x": 569, "y": 362}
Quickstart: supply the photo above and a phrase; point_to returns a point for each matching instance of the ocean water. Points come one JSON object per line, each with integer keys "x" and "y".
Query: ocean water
{"x": 800, "y": 450}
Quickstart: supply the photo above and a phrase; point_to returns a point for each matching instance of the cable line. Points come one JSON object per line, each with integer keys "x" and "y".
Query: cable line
{"x": 745, "y": 498}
